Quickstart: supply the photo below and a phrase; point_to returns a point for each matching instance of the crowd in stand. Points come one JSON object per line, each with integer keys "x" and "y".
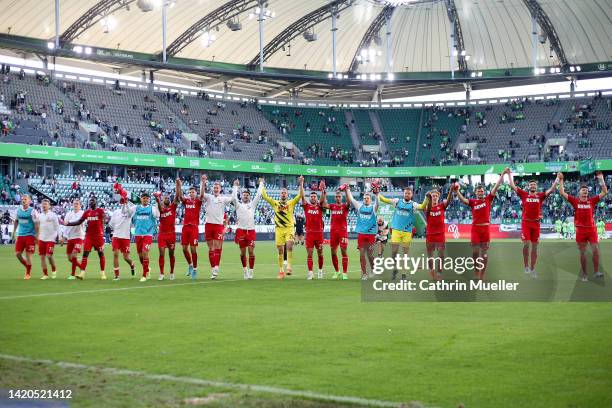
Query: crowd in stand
{"x": 166, "y": 136}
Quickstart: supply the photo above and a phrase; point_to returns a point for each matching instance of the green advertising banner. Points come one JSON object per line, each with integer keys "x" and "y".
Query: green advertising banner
{"x": 587, "y": 167}
{"x": 197, "y": 163}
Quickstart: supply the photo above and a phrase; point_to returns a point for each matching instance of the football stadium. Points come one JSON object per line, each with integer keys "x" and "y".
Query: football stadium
{"x": 306, "y": 203}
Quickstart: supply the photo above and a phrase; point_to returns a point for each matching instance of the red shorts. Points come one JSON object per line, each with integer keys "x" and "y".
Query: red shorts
{"x": 121, "y": 244}
{"x": 365, "y": 240}
{"x": 338, "y": 238}
{"x": 481, "y": 234}
{"x": 143, "y": 243}
{"x": 75, "y": 246}
{"x": 314, "y": 239}
{"x": 45, "y": 247}
{"x": 586, "y": 234}
{"x": 214, "y": 232}
{"x": 190, "y": 235}
{"x": 93, "y": 242}
{"x": 530, "y": 231}
{"x": 166, "y": 240}
{"x": 26, "y": 243}
{"x": 435, "y": 238}
{"x": 245, "y": 238}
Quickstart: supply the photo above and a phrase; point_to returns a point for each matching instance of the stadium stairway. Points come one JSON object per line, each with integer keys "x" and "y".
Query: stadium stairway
{"x": 384, "y": 149}
{"x": 350, "y": 120}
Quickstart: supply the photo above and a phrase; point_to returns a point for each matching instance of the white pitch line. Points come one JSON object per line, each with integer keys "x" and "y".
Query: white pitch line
{"x": 210, "y": 383}
{"x": 117, "y": 289}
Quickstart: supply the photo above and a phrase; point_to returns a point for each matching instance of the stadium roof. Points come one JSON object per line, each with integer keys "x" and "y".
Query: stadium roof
{"x": 493, "y": 34}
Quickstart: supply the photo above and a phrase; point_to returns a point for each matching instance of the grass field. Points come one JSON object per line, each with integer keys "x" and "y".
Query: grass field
{"x": 311, "y": 340}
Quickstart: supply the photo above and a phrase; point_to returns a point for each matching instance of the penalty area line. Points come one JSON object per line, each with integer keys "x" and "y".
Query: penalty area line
{"x": 208, "y": 383}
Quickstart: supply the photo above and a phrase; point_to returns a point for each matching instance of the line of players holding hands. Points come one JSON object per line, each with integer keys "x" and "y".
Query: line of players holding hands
{"x": 32, "y": 227}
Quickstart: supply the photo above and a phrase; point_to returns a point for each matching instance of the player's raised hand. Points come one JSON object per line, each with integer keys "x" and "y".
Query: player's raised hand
{"x": 456, "y": 186}
{"x": 322, "y": 185}
{"x": 204, "y": 178}
{"x": 599, "y": 175}
{"x": 236, "y": 183}
{"x": 261, "y": 180}
{"x": 560, "y": 176}
{"x": 507, "y": 170}
{"x": 301, "y": 180}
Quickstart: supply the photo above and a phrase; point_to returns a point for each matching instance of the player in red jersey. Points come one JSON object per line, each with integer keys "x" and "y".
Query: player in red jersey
{"x": 191, "y": 222}
{"x": 313, "y": 212}
{"x": 166, "y": 237}
{"x": 586, "y": 233}
{"x": 94, "y": 235}
{"x": 531, "y": 202}
{"x": 481, "y": 222}
{"x": 435, "y": 238}
{"x": 339, "y": 232}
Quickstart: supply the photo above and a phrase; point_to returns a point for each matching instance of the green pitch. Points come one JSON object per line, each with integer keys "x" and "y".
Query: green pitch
{"x": 313, "y": 337}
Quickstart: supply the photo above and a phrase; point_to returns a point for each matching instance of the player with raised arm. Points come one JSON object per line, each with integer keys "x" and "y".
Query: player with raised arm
{"x": 584, "y": 208}
{"x": 531, "y": 201}
{"x": 366, "y": 227}
{"x": 313, "y": 212}
{"x": 48, "y": 230}
{"x": 191, "y": 222}
{"x": 73, "y": 236}
{"x": 144, "y": 217}
{"x": 481, "y": 222}
{"x": 245, "y": 226}
{"x": 214, "y": 230}
{"x": 121, "y": 224}
{"x": 166, "y": 238}
{"x": 284, "y": 224}
{"x": 402, "y": 222}
{"x": 94, "y": 235}
{"x": 338, "y": 234}
{"x": 435, "y": 237}
{"x": 25, "y": 228}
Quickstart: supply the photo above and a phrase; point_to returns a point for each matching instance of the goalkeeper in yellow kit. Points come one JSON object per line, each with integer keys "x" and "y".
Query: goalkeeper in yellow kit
{"x": 284, "y": 223}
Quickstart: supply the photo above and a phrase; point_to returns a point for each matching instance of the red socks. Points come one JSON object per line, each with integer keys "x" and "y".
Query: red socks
{"x": 28, "y": 269}
{"x": 309, "y": 262}
{"x": 335, "y": 261}
{"x": 161, "y": 261}
{"x": 102, "y": 263}
{"x": 45, "y": 272}
{"x": 211, "y": 257}
{"x": 83, "y": 264}
{"x": 75, "y": 265}
{"x": 194, "y": 258}
{"x": 362, "y": 261}
{"x": 595, "y": 261}
{"x": 116, "y": 270}
{"x": 320, "y": 261}
{"x": 145, "y": 267}
{"x": 214, "y": 257}
{"x": 243, "y": 260}
{"x": 344, "y": 264}
{"x": 251, "y": 261}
